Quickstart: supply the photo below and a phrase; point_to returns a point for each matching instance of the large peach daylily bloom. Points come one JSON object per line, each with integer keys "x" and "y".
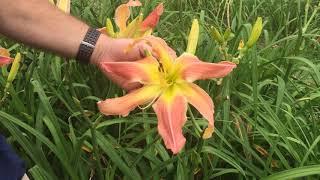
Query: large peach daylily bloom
{"x": 4, "y": 57}
{"x": 138, "y": 27}
{"x": 168, "y": 85}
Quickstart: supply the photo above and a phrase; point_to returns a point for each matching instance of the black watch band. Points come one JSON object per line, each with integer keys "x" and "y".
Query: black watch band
{"x": 87, "y": 45}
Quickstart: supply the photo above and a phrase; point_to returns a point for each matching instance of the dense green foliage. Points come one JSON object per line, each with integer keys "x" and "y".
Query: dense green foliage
{"x": 267, "y": 112}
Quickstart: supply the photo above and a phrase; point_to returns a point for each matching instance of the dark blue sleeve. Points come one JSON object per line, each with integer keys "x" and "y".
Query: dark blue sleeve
{"x": 11, "y": 166}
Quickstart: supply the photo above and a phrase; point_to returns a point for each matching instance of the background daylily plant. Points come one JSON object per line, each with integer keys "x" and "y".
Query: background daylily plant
{"x": 167, "y": 83}
{"x": 139, "y": 27}
{"x": 265, "y": 116}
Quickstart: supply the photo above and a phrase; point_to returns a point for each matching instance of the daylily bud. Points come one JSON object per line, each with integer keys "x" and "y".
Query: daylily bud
{"x": 13, "y": 71}
{"x": 14, "y": 68}
{"x": 64, "y": 5}
{"x": 227, "y": 33}
{"x": 193, "y": 37}
{"x": 216, "y": 35}
{"x": 109, "y": 28}
{"x": 255, "y": 33}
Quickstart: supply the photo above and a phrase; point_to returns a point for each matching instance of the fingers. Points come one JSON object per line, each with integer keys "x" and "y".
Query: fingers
{"x": 133, "y": 50}
{"x": 144, "y": 49}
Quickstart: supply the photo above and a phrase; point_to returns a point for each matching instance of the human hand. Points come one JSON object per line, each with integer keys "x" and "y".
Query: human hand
{"x": 111, "y": 50}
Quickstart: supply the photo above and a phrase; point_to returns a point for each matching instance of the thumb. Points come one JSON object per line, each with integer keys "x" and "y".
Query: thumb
{"x": 137, "y": 51}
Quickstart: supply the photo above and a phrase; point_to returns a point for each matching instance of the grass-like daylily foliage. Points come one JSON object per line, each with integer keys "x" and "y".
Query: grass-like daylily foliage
{"x": 4, "y": 57}
{"x": 139, "y": 27}
{"x": 167, "y": 85}
{"x": 266, "y": 113}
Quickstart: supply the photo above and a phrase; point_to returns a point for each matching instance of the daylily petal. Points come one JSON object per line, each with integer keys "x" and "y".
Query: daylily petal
{"x": 4, "y": 52}
{"x": 134, "y": 3}
{"x": 122, "y": 15}
{"x": 160, "y": 50}
{"x": 4, "y": 57}
{"x": 199, "y": 99}
{"x": 103, "y": 30}
{"x": 171, "y": 112}
{"x": 132, "y": 28}
{"x": 193, "y": 69}
{"x": 161, "y": 46}
{"x": 142, "y": 71}
{"x": 123, "y": 105}
{"x": 152, "y": 20}
{"x": 5, "y": 61}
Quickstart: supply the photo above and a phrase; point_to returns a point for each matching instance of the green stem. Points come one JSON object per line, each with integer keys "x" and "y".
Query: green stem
{"x": 226, "y": 96}
{"x": 198, "y": 129}
{"x": 255, "y": 82}
{"x": 226, "y": 103}
{"x": 297, "y": 46}
{"x": 240, "y": 14}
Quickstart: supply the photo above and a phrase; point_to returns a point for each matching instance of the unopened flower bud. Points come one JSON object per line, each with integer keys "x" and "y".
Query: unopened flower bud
{"x": 193, "y": 37}
{"x": 255, "y": 33}
{"x": 216, "y": 35}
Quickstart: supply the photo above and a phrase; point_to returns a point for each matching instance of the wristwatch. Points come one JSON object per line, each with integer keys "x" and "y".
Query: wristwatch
{"x": 87, "y": 45}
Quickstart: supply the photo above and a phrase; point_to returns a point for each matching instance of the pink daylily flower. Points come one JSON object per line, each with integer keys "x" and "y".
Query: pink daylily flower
{"x": 4, "y": 57}
{"x": 138, "y": 27}
{"x": 167, "y": 84}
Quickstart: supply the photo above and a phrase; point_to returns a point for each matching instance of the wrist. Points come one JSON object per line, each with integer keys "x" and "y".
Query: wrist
{"x": 100, "y": 49}
{"x": 88, "y": 45}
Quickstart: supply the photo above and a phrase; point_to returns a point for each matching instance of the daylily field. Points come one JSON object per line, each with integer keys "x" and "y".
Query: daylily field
{"x": 228, "y": 89}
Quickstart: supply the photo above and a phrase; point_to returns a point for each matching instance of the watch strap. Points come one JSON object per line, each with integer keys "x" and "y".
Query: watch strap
{"x": 87, "y": 45}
